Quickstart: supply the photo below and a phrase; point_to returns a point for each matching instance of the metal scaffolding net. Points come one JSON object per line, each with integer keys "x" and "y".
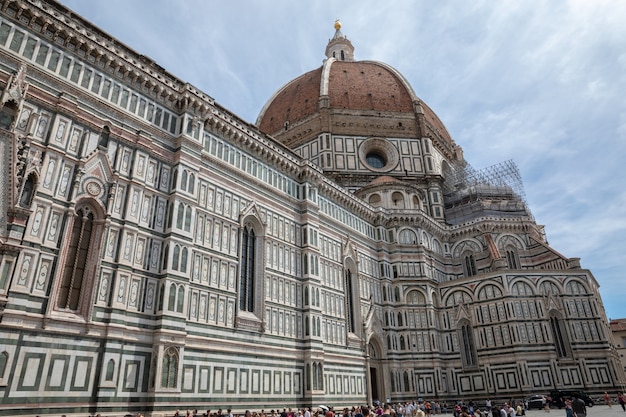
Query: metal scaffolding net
{"x": 503, "y": 176}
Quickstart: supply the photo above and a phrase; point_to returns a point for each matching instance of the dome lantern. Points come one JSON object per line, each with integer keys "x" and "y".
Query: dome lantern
{"x": 339, "y": 47}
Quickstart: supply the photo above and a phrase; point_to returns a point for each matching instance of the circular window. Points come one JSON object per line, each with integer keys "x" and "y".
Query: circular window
{"x": 376, "y": 160}
{"x": 378, "y": 154}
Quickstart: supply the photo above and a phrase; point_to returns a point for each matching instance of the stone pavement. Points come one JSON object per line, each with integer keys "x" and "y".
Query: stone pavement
{"x": 600, "y": 410}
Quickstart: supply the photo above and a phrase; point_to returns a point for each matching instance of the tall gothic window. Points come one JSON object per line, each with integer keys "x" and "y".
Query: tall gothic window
{"x": 246, "y": 288}
{"x": 4, "y": 360}
{"x": 110, "y": 370}
{"x": 169, "y": 371}
{"x": 559, "y": 335}
{"x": 8, "y": 112}
{"x": 466, "y": 344}
{"x": 512, "y": 258}
{"x": 103, "y": 141}
{"x": 350, "y": 302}
{"x": 469, "y": 265}
{"x": 308, "y": 376}
{"x": 74, "y": 269}
{"x": 28, "y": 191}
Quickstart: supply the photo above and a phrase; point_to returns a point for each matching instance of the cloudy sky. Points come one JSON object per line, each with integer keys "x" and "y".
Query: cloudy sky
{"x": 539, "y": 82}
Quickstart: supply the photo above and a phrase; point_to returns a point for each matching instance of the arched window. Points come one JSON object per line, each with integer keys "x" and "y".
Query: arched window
{"x": 180, "y": 299}
{"x": 559, "y": 336}
{"x": 375, "y": 200}
{"x": 165, "y": 255}
{"x": 397, "y": 199}
{"x": 306, "y": 296}
{"x": 248, "y": 252}
{"x": 170, "y": 368}
{"x": 320, "y": 377}
{"x": 161, "y": 297}
{"x": 402, "y": 344}
{"x": 183, "y": 260}
{"x": 110, "y": 371}
{"x": 306, "y": 325}
{"x": 74, "y": 273}
{"x": 188, "y": 219}
{"x": 417, "y": 203}
{"x": 350, "y": 304}
{"x": 4, "y": 360}
{"x": 28, "y": 191}
{"x": 469, "y": 265}
{"x": 180, "y": 216}
{"x": 8, "y": 112}
{"x": 307, "y": 377}
{"x": 466, "y": 344}
{"x": 191, "y": 184}
{"x": 175, "y": 258}
{"x": 512, "y": 259}
{"x": 407, "y": 237}
{"x": 183, "y": 180}
{"x": 103, "y": 141}
{"x": 171, "y": 303}
{"x": 406, "y": 381}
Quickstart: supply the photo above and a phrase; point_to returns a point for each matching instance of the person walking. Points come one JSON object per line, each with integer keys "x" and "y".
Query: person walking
{"x": 579, "y": 408}
{"x": 621, "y": 399}
{"x": 607, "y": 399}
{"x": 569, "y": 412}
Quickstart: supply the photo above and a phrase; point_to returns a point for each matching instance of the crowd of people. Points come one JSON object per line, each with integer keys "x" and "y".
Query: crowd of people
{"x": 574, "y": 407}
{"x": 406, "y": 409}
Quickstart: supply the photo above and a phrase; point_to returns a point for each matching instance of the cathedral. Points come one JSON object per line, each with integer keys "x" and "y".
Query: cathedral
{"x": 157, "y": 252}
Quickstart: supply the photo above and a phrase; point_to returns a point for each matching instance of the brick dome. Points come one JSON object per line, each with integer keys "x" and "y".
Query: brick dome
{"x": 346, "y": 93}
{"x": 351, "y": 98}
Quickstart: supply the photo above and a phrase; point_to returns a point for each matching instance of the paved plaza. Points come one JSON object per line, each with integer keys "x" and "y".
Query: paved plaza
{"x": 595, "y": 411}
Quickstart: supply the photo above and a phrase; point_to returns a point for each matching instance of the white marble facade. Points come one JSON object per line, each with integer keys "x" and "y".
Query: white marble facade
{"x": 122, "y": 271}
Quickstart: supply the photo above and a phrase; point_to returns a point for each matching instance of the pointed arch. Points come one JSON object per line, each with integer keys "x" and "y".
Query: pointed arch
{"x": 188, "y": 214}
{"x": 103, "y": 140}
{"x": 407, "y": 237}
{"x": 469, "y": 264}
{"x": 180, "y": 216}
{"x": 251, "y": 267}
{"x": 559, "y": 334}
{"x": 175, "y": 257}
{"x": 4, "y": 362}
{"x": 183, "y": 180}
{"x": 171, "y": 299}
{"x": 77, "y": 274}
{"x": 191, "y": 185}
{"x": 183, "y": 260}
{"x": 467, "y": 347}
{"x": 110, "y": 371}
{"x": 28, "y": 190}
{"x": 352, "y": 297}
{"x": 169, "y": 369}
{"x": 416, "y": 297}
{"x": 180, "y": 299}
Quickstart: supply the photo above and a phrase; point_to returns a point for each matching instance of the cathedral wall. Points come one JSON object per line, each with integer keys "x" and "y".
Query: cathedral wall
{"x": 220, "y": 270}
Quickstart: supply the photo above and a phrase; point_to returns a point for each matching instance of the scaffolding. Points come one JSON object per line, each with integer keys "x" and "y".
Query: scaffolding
{"x": 502, "y": 175}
